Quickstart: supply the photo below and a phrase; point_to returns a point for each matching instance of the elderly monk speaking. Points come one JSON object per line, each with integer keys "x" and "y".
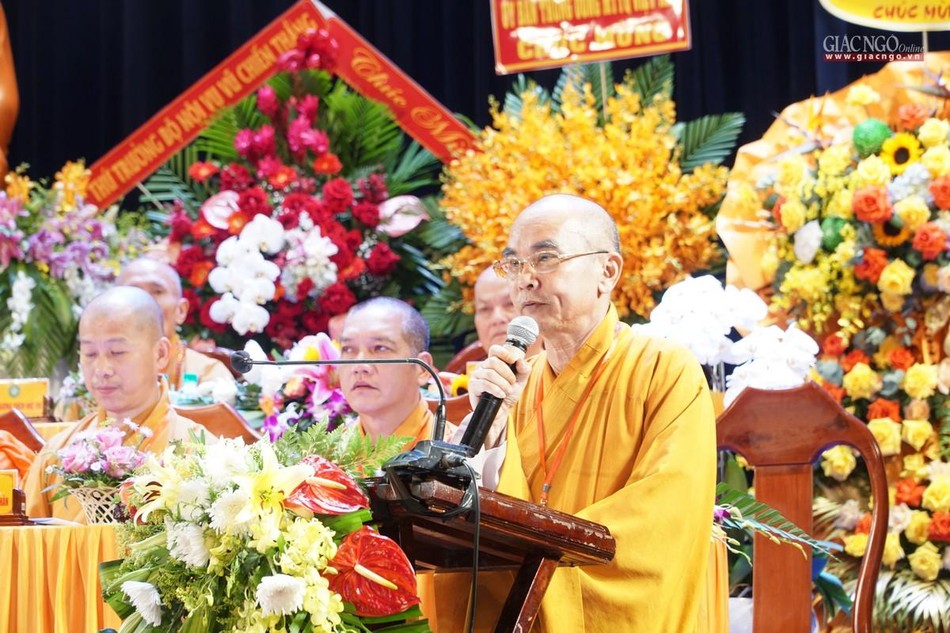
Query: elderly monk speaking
{"x": 162, "y": 282}
{"x": 387, "y": 398}
{"x": 604, "y": 424}
{"x": 122, "y": 351}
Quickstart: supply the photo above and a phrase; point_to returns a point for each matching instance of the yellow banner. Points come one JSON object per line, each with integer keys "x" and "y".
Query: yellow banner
{"x": 27, "y": 395}
{"x": 893, "y": 15}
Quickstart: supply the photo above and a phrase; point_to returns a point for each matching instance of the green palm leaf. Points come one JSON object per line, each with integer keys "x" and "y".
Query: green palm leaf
{"x": 709, "y": 139}
{"x": 600, "y": 77}
{"x": 364, "y": 131}
{"x": 514, "y": 98}
{"x": 444, "y": 313}
{"x": 758, "y": 517}
{"x": 653, "y": 78}
{"x": 904, "y": 603}
{"x": 416, "y": 168}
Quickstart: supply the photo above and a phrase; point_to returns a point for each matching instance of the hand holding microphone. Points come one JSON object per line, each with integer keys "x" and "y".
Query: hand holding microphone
{"x": 498, "y": 381}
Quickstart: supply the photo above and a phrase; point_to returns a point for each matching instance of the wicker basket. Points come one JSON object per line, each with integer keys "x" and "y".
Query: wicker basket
{"x": 98, "y": 504}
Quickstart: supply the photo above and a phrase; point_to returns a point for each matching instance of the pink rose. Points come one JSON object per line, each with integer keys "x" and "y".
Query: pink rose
{"x": 121, "y": 460}
{"x": 76, "y": 458}
{"x": 109, "y": 437}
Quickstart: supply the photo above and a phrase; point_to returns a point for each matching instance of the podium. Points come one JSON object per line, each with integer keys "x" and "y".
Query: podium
{"x": 514, "y": 534}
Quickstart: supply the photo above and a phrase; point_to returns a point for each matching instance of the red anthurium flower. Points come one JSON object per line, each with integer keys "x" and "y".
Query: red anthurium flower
{"x": 329, "y": 491}
{"x": 373, "y": 574}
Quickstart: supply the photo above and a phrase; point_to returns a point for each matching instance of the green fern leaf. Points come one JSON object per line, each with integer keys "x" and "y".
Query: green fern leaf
{"x": 709, "y": 139}
{"x": 444, "y": 313}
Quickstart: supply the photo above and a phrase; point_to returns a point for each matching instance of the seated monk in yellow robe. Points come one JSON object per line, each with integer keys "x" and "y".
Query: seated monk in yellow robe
{"x": 122, "y": 351}
{"x": 604, "y": 424}
{"x": 387, "y": 398}
{"x": 14, "y": 454}
{"x": 162, "y": 282}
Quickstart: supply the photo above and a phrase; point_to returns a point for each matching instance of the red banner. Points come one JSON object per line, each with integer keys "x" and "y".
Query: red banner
{"x": 533, "y": 34}
{"x": 363, "y": 67}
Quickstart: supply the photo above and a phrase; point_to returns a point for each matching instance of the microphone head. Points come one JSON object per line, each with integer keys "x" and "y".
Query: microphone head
{"x": 241, "y": 362}
{"x": 522, "y": 332}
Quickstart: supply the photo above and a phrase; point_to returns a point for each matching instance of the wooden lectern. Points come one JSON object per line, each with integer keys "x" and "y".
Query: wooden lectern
{"x": 514, "y": 534}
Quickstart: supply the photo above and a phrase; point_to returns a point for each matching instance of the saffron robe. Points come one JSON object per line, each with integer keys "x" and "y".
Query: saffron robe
{"x": 417, "y": 425}
{"x": 14, "y": 454}
{"x": 164, "y": 423}
{"x": 642, "y": 461}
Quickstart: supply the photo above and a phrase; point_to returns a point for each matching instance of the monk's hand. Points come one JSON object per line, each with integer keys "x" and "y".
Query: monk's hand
{"x": 495, "y": 376}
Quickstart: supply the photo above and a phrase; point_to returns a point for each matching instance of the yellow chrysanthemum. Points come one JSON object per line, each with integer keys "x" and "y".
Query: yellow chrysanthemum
{"x": 871, "y": 171}
{"x": 862, "y": 95}
{"x": 834, "y": 160}
{"x": 899, "y": 151}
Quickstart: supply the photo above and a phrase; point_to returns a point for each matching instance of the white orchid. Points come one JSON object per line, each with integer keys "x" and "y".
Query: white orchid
{"x": 265, "y": 233}
{"x": 249, "y": 317}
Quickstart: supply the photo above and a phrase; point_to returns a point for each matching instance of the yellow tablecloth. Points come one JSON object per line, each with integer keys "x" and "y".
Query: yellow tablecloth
{"x": 49, "y": 579}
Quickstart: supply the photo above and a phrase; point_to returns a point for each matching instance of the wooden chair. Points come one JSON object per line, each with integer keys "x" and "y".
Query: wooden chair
{"x": 456, "y": 408}
{"x": 468, "y": 354}
{"x": 221, "y": 419}
{"x": 21, "y": 428}
{"x": 781, "y": 433}
{"x": 222, "y": 354}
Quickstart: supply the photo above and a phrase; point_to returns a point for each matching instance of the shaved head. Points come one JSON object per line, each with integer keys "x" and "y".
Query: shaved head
{"x": 587, "y": 218}
{"x": 144, "y": 266}
{"x": 414, "y": 328}
{"x": 127, "y": 304}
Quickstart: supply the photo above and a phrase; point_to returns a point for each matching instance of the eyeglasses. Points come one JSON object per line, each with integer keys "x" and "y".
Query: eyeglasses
{"x": 540, "y": 262}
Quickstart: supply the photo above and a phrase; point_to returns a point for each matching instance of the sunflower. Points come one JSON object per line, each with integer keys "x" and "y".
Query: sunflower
{"x": 888, "y": 235}
{"x": 899, "y": 151}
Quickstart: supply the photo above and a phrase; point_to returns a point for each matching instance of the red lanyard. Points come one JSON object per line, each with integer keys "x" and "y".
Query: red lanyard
{"x": 562, "y": 448}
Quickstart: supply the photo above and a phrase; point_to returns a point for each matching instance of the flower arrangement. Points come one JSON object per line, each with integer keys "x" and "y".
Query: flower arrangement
{"x": 659, "y": 187}
{"x": 98, "y": 458}
{"x": 860, "y": 258}
{"x": 267, "y": 537}
{"x": 292, "y": 206}
{"x": 56, "y": 253}
{"x": 863, "y": 223}
{"x": 300, "y": 396}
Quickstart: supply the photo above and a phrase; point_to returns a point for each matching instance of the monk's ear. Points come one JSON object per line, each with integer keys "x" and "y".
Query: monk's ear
{"x": 181, "y": 311}
{"x": 424, "y": 376}
{"x": 163, "y": 353}
{"x": 613, "y": 268}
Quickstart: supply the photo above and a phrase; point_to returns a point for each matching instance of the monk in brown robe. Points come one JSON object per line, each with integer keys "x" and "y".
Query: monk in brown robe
{"x": 604, "y": 424}
{"x": 122, "y": 351}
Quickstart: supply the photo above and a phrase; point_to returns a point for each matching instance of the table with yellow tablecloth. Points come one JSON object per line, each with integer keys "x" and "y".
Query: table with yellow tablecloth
{"x": 49, "y": 579}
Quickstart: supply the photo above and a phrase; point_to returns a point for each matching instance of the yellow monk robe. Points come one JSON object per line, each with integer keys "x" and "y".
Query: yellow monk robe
{"x": 164, "y": 423}
{"x": 205, "y": 367}
{"x": 417, "y": 425}
{"x": 14, "y": 454}
{"x": 642, "y": 461}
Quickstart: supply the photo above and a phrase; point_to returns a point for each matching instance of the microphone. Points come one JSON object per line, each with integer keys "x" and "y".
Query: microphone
{"x": 242, "y": 362}
{"x": 522, "y": 332}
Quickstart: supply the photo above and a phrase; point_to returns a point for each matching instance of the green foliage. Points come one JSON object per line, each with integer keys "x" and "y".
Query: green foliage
{"x": 358, "y": 455}
{"x": 445, "y": 315}
{"x": 50, "y": 332}
{"x": 653, "y": 78}
{"x": 904, "y": 603}
{"x": 709, "y": 139}
{"x": 748, "y": 514}
{"x": 600, "y": 77}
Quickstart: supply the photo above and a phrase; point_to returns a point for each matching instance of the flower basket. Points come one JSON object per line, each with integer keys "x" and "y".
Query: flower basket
{"x": 99, "y": 504}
